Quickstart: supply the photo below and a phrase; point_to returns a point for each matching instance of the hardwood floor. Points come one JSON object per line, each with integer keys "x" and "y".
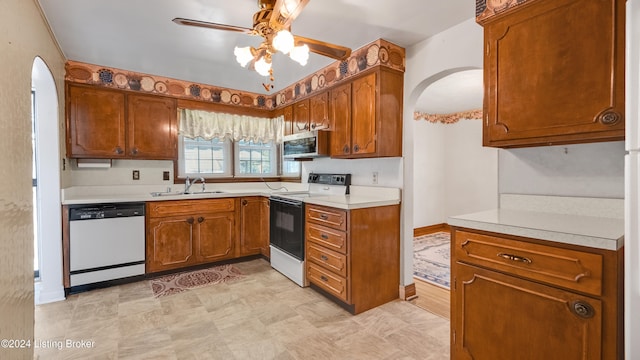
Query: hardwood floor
{"x": 432, "y": 298}
{"x": 262, "y": 316}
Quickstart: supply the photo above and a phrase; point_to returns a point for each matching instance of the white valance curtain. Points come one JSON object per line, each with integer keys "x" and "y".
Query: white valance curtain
{"x": 210, "y": 125}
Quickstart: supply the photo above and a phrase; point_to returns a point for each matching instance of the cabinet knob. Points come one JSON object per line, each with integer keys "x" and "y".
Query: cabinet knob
{"x": 583, "y": 309}
{"x": 134, "y": 151}
{"x": 200, "y": 219}
{"x": 313, "y": 126}
{"x": 356, "y": 148}
{"x": 118, "y": 150}
{"x": 609, "y": 117}
{"x": 345, "y": 149}
{"x": 324, "y": 236}
{"x": 244, "y": 202}
{"x": 324, "y": 216}
{"x": 324, "y": 278}
{"x": 324, "y": 257}
{"x": 190, "y": 220}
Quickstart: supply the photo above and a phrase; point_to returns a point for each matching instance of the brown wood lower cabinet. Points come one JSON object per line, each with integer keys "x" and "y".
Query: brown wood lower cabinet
{"x": 518, "y": 298}
{"x": 254, "y": 229}
{"x": 354, "y": 255}
{"x": 190, "y": 232}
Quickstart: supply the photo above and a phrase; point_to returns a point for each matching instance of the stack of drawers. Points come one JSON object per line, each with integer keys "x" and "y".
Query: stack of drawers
{"x": 327, "y": 250}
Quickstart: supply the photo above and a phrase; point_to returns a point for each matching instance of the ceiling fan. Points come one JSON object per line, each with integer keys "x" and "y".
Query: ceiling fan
{"x": 273, "y": 23}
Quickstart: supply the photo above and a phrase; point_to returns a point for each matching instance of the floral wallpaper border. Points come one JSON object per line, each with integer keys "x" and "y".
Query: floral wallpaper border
{"x": 448, "y": 118}
{"x": 377, "y": 53}
{"x": 483, "y": 11}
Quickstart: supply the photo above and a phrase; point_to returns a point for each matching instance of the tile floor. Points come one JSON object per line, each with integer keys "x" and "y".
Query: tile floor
{"x": 263, "y": 316}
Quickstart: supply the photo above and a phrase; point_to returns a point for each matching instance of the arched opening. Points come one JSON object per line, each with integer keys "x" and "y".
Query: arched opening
{"x": 452, "y": 173}
{"x": 46, "y": 182}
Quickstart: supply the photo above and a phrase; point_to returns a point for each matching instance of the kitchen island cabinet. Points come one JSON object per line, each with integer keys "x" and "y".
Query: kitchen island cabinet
{"x": 353, "y": 256}
{"x": 537, "y": 299}
{"x": 183, "y": 233}
{"x": 554, "y": 73}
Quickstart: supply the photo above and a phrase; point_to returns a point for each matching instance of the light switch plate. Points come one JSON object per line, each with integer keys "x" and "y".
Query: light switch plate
{"x": 136, "y": 174}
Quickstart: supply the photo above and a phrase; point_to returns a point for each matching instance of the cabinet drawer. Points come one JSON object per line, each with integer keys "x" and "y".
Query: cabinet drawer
{"x": 327, "y": 237}
{"x": 328, "y": 281}
{"x": 179, "y": 207}
{"x": 328, "y": 259}
{"x": 330, "y": 217}
{"x": 577, "y": 270}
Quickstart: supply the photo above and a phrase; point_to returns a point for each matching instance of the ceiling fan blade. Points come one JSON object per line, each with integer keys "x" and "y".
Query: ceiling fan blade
{"x": 324, "y": 48}
{"x": 210, "y": 25}
{"x": 285, "y": 11}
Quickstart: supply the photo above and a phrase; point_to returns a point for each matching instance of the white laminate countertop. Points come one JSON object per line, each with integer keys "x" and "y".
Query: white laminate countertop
{"x": 360, "y": 197}
{"x": 591, "y": 231}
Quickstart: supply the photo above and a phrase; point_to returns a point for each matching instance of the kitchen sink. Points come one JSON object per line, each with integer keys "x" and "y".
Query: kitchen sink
{"x": 157, "y": 193}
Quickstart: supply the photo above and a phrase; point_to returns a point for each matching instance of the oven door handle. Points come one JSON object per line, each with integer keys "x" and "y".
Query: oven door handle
{"x": 288, "y": 202}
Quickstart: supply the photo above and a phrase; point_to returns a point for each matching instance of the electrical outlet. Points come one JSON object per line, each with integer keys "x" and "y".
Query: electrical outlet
{"x": 165, "y": 175}
{"x": 374, "y": 177}
{"x": 136, "y": 175}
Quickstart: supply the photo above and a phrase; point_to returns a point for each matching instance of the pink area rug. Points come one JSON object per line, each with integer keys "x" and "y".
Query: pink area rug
{"x": 177, "y": 283}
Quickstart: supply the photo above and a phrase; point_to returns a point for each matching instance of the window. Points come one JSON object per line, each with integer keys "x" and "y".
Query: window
{"x": 290, "y": 168}
{"x": 255, "y": 159}
{"x": 206, "y": 158}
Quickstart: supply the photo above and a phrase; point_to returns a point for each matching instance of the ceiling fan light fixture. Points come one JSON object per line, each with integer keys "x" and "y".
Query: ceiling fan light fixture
{"x": 300, "y": 54}
{"x": 283, "y": 41}
{"x": 263, "y": 66}
{"x": 243, "y": 55}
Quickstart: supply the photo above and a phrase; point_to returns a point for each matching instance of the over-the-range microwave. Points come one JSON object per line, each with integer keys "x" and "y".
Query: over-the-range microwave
{"x": 308, "y": 144}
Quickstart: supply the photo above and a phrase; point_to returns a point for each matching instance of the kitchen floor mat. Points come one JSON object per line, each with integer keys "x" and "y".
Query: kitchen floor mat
{"x": 177, "y": 283}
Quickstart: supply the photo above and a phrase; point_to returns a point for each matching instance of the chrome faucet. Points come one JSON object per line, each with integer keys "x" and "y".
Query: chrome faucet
{"x": 188, "y": 183}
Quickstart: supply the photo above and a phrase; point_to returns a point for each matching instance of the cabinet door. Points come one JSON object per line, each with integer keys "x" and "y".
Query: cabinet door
{"x": 254, "y": 227}
{"x": 363, "y": 122}
{"x": 319, "y": 111}
{"x": 152, "y": 127}
{"x": 95, "y": 123}
{"x": 571, "y": 90}
{"x": 340, "y": 117}
{"x": 288, "y": 120}
{"x": 496, "y": 316}
{"x": 301, "y": 116}
{"x": 169, "y": 243}
{"x": 215, "y": 237}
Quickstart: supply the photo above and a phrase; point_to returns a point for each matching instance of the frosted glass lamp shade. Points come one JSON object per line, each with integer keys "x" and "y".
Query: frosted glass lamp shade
{"x": 300, "y": 54}
{"x": 243, "y": 55}
{"x": 263, "y": 67}
{"x": 283, "y": 41}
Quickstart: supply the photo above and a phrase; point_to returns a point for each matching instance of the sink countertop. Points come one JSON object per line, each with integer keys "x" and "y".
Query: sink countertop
{"x": 596, "y": 231}
{"x": 360, "y": 197}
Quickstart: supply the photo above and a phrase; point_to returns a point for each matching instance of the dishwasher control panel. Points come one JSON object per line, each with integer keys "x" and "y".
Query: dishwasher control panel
{"x": 106, "y": 211}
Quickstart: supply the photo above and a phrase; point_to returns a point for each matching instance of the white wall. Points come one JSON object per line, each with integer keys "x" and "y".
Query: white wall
{"x": 121, "y": 171}
{"x": 588, "y": 170}
{"x": 389, "y": 170}
{"x": 458, "y": 48}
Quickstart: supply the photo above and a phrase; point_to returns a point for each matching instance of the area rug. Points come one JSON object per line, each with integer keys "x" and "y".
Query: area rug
{"x": 431, "y": 258}
{"x": 177, "y": 283}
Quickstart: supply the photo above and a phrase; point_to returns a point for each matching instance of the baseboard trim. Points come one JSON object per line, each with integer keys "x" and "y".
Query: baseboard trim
{"x": 408, "y": 292}
{"x": 431, "y": 229}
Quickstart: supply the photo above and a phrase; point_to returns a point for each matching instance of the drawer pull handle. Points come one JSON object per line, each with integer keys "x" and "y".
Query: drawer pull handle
{"x": 324, "y": 278}
{"x": 324, "y": 257}
{"x": 515, "y": 258}
{"x": 583, "y": 309}
{"x": 324, "y": 236}
{"x": 324, "y": 216}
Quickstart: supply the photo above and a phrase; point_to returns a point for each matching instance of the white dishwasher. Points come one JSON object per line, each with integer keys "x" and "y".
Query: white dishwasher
{"x": 106, "y": 242}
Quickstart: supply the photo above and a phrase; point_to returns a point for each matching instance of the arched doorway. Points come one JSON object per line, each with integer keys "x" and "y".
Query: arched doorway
{"x": 47, "y": 211}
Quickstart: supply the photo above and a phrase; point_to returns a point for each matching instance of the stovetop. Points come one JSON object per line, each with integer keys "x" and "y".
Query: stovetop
{"x": 321, "y": 185}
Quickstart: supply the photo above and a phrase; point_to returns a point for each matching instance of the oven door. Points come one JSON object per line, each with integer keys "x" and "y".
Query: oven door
{"x": 286, "y": 230}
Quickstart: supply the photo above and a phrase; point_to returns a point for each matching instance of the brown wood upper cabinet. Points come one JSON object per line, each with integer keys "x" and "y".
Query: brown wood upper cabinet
{"x": 152, "y": 127}
{"x": 366, "y": 116}
{"x": 554, "y": 73}
{"x": 301, "y": 116}
{"x": 319, "y": 111}
{"x": 95, "y": 122}
{"x": 106, "y": 123}
{"x": 287, "y": 113}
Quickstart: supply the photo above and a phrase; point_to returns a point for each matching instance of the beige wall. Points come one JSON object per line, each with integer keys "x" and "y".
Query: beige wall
{"x": 23, "y": 36}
